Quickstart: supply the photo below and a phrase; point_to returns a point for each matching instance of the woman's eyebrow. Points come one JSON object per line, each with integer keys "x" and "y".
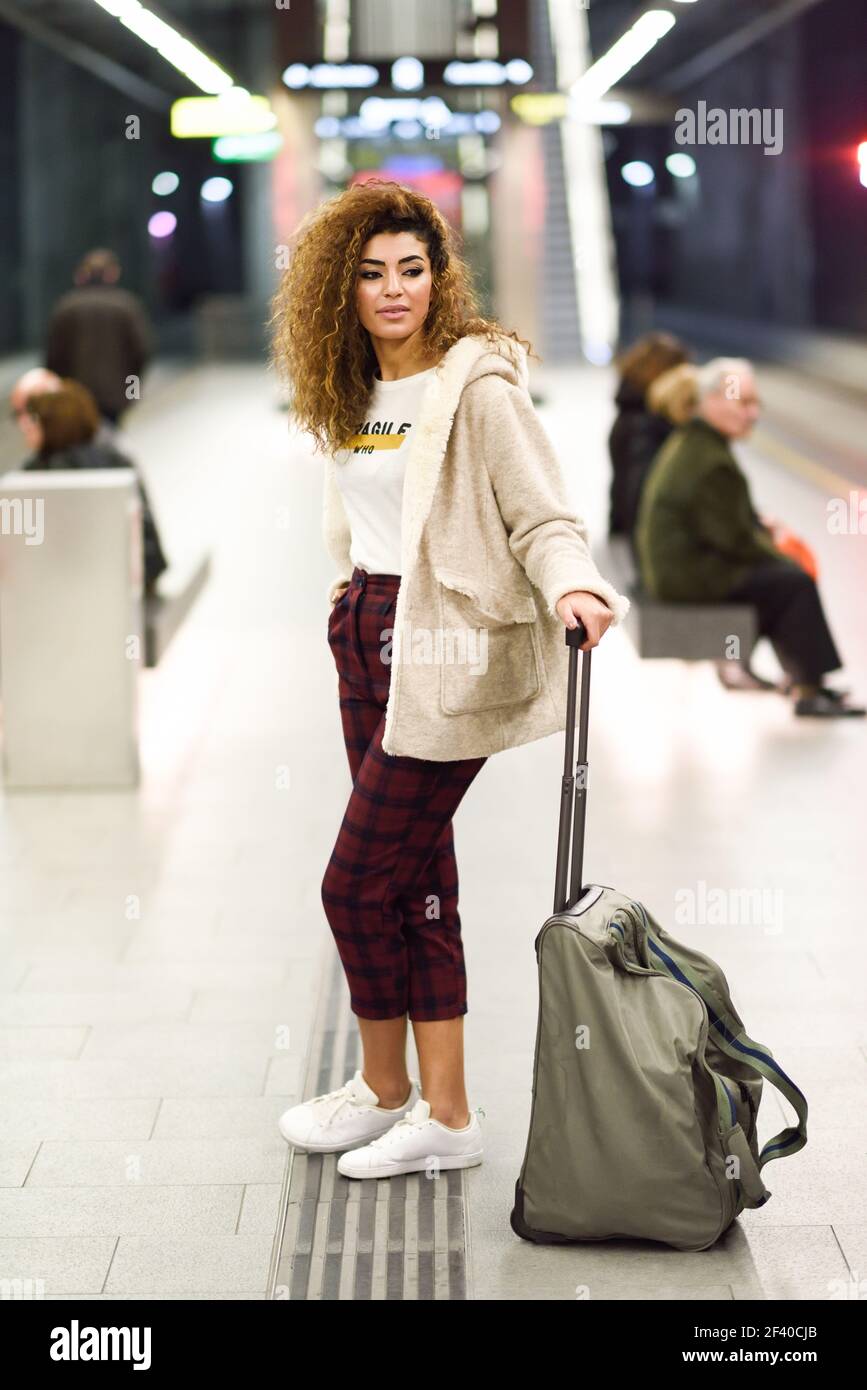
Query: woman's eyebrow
{"x": 370, "y": 261}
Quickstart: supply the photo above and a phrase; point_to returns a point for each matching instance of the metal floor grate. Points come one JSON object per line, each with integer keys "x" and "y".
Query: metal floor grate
{"x": 345, "y": 1238}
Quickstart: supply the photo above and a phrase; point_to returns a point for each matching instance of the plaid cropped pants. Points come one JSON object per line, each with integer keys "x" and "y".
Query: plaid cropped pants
{"x": 390, "y": 890}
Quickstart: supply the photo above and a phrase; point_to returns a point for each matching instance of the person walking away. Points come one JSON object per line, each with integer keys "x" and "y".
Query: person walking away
{"x": 99, "y": 334}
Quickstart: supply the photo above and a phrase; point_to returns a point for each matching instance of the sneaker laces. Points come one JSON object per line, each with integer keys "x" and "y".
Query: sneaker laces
{"x": 332, "y": 1102}
{"x": 408, "y": 1124}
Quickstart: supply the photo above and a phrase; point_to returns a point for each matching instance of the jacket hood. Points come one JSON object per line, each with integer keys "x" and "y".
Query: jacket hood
{"x": 502, "y": 356}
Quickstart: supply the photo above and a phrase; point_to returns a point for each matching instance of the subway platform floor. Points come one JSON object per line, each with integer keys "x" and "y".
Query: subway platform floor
{"x": 168, "y": 982}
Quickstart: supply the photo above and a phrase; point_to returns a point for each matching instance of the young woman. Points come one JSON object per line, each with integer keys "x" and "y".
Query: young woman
{"x": 460, "y": 561}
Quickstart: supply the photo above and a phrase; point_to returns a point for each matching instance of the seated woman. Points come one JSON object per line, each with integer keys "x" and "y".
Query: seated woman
{"x": 698, "y": 538}
{"x": 63, "y": 428}
{"x": 637, "y": 432}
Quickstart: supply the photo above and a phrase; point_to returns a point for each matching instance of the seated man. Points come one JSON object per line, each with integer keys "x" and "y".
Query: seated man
{"x": 698, "y": 541}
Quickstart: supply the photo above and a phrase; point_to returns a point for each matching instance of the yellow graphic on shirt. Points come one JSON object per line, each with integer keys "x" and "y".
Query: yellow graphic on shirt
{"x": 370, "y": 442}
{"x": 376, "y": 436}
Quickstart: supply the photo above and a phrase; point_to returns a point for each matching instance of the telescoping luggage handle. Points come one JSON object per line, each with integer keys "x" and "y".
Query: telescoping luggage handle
{"x": 573, "y": 791}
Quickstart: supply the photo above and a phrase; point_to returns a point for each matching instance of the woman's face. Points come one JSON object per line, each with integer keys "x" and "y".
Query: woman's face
{"x": 394, "y": 273}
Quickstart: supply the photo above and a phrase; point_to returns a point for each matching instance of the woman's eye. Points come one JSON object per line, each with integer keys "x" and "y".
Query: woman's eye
{"x": 413, "y": 270}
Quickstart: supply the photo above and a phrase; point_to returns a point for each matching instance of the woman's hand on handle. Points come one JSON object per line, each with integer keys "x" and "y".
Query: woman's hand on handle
{"x": 596, "y": 616}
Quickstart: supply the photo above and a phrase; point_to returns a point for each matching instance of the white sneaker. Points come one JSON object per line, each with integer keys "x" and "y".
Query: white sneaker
{"x": 416, "y": 1143}
{"x": 341, "y": 1119}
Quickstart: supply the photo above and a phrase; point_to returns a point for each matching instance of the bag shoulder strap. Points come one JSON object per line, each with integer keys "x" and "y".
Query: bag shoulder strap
{"x": 731, "y": 1039}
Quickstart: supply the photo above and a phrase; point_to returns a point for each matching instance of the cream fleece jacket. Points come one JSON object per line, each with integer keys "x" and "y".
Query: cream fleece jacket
{"x": 489, "y": 543}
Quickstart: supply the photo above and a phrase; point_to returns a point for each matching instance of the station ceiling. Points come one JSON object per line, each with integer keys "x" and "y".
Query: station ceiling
{"x": 704, "y": 33}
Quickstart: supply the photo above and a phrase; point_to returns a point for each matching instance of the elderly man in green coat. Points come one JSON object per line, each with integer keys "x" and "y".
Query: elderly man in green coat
{"x": 698, "y": 539}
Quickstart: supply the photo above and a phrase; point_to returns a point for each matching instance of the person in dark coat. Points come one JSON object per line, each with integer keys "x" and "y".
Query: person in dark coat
{"x": 62, "y": 427}
{"x": 100, "y": 335}
{"x": 698, "y": 540}
{"x": 637, "y": 432}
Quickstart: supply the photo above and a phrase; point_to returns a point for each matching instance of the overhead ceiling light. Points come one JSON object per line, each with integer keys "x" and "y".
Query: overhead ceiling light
{"x": 629, "y": 50}
{"x": 637, "y": 173}
{"x": 680, "y": 166}
{"x": 183, "y": 55}
{"x": 541, "y": 108}
{"x": 217, "y": 190}
{"x": 487, "y": 122}
{"x": 165, "y": 183}
{"x": 486, "y": 72}
{"x": 378, "y": 112}
{"x": 325, "y": 75}
{"x": 246, "y": 149}
{"x": 407, "y": 74}
{"x": 435, "y": 113}
{"x": 518, "y": 71}
{"x": 228, "y": 114}
{"x": 162, "y": 224}
{"x": 601, "y": 112}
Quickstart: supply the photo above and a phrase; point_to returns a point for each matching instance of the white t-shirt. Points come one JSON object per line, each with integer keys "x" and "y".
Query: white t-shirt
{"x": 370, "y": 472}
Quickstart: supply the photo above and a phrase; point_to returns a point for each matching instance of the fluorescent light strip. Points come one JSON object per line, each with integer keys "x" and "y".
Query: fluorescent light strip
{"x": 629, "y": 50}
{"x": 183, "y": 55}
{"x": 587, "y": 199}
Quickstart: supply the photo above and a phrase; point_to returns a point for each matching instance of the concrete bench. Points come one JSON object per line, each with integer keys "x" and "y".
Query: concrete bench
{"x": 683, "y": 631}
{"x": 70, "y": 605}
{"x": 165, "y": 609}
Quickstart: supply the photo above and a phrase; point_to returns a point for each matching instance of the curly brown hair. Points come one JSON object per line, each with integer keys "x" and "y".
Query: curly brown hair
{"x": 318, "y": 343}
{"x": 68, "y": 415}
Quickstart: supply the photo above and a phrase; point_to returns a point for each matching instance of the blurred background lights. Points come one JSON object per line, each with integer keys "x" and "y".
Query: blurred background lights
{"x": 637, "y": 173}
{"x": 162, "y": 224}
{"x": 517, "y": 70}
{"x": 407, "y": 74}
{"x": 296, "y": 75}
{"x": 862, "y": 160}
{"x": 486, "y": 72}
{"x": 487, "y": 122}
{"x": 238, "y": 149}
{"x": 599, "y": 353}
{"x": 164, "y": 184}
{"x": 326, "y": 75}
{"x": 326, "y": 127}
{"x": 435, "y": 113}
{"x": 680, "y": 166}
{"x": 217, "y": 189}
{"x": 232, "y": 113}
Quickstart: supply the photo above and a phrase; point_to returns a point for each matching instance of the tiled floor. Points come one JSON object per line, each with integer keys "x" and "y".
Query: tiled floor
{"x": 162, "y": 951}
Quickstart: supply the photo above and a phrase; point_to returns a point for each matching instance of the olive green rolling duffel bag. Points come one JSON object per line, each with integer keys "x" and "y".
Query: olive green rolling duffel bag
{"x": 646, "y": 1087}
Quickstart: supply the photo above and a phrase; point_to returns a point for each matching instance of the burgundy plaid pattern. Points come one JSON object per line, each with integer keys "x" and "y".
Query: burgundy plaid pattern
{"x": 390, "y": 890}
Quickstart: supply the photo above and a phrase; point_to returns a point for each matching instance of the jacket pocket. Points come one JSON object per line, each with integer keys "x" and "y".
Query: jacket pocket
{"x": 489, "y": 645}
